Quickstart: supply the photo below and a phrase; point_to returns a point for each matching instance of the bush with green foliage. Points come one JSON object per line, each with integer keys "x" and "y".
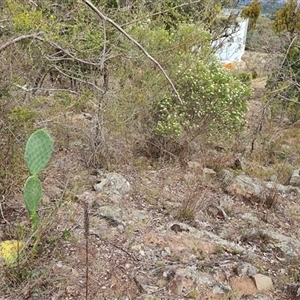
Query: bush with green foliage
{"x": 135, "y": 98}
{"x": 213, "y": 101}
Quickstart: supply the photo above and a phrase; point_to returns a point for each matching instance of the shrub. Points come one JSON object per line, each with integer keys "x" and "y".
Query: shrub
{"x": 213, "y": 101}
{"x": 284, "y": 86}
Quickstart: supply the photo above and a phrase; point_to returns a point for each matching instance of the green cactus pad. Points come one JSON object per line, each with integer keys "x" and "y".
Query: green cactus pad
{"x": 38, "y": 151}
{"x": 32, "y": 194}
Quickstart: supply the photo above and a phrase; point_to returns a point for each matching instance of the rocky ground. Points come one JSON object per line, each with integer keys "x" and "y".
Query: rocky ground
{"x": 147, "y": 232}
{"x": 175, "y": 233}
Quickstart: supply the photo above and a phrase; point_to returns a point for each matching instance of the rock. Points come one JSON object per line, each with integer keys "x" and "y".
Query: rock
{"x": 243, "y": 285}
{"x": 290, "y": 190}
{"x": 209, "y": 172}
{"x": 289, "y": 246}
{"x": 112, "y": 214}
{"x": 283, "y": 189}
{"x": 273, "y": 178}
{"x": 246, "y": 187}
{"x": 245, "y": 269}
{"x": 114, "y": 186}
{"x": 183, "y": 242}
{"x": 295, "y": 179}
{"x": 263, "y": 282}
{"x": 226, "y": 177}
{"x": 189, "y": 278}
{"x": 221, "y": 289}
{"x": 253, "y": 189}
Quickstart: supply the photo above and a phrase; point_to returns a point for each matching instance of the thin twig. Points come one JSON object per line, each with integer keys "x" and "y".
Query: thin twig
{"x": 86, "y": 234}
{"x": 2, "y": 215}
{"x": 77, "y": 79}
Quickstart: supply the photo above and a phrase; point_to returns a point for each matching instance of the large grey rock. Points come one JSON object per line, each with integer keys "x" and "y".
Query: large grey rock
{"x": 253, "y": 189}
{"x": 245, "y": 269}
{"x": 114, "y": 186}
{"x": 111, "y": 214}
{"x": 226, "y": 177}
{"x": 209, "y": 172}
{"x": 248, "y": 188}
{"x": 289, "y": 246}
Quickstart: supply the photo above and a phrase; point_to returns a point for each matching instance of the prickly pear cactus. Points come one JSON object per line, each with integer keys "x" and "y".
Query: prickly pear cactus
{"x": 32, "y": 193}
{"x": 38, "y": 152}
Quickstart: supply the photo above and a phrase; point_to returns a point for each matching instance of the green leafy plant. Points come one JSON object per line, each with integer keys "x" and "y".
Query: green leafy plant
{"x": 212, "y": 99}
{"x": 38, "y": 152}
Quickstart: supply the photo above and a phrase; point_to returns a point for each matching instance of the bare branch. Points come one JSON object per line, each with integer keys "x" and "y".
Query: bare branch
{"x": 119, "y": 28}
{"x": 38, "y": 36}
{"x": 78, "y": 79}
{"x": 18, "y": 39}
{"x": 288, "y": 50}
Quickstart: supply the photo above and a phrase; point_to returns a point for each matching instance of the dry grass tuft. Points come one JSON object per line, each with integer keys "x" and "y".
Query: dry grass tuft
{"x": 195, "y": 199}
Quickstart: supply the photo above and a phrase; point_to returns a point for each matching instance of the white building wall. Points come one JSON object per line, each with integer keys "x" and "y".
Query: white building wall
{"x": 232, "y": 48}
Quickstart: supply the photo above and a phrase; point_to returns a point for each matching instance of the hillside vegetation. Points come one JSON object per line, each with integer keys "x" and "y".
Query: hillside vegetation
{"x": 134, "y": 88}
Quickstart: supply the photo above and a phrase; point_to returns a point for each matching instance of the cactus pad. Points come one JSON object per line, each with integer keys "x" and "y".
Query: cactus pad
{"x": 38, "y": 151}
{"x": 32, "y": 194}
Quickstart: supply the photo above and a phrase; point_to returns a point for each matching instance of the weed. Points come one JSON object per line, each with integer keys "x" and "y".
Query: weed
{"x": 160, "y": 263}
{"x": 193, "y": 294}
{"x": 272, "y": 196}
{"x": 199, "y": 254}
{"x": 195, "y": 199}
{"x": 66, "y": 234}
{"x": 236, "y": 251}
{"x": 218, "y": 249}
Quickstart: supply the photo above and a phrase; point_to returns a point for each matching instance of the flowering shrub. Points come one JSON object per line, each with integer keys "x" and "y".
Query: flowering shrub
{"x": 213, "y": 101}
